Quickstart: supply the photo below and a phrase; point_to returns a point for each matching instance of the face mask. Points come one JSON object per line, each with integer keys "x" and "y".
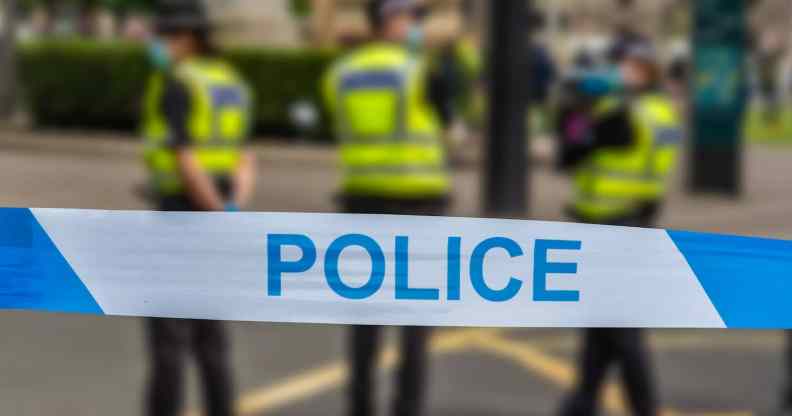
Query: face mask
{"x": 159, "y": 55}
{"x": 415, "y": 38}
{"x": 616, "y": 79}
{"x": 600, "y": 83}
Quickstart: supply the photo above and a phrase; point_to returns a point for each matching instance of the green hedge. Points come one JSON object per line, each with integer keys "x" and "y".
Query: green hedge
{"x": 99, "y": 84}
{"x": 83, "y": 84}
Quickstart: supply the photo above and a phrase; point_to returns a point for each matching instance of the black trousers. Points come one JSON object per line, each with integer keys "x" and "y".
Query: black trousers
{"x": 786, "y": 397}
{"x": 622, "y": 348}
{"x": 365, "y": 341}
{"x": 172, "y": 341}
{"x": 411, "y": 377}
{"x": 606, "y": 348}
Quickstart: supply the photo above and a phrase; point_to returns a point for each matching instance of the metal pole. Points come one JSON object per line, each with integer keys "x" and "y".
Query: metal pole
{"x": 505, "y": 169}
{"x": 8, "y": 58}
{"x": 719, "y": 96}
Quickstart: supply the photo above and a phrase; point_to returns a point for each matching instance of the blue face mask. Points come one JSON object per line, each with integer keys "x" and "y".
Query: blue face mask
{"x": 415, "y": 38}
{"x": 600, "y": 83}
{"x": 159, "y": 55}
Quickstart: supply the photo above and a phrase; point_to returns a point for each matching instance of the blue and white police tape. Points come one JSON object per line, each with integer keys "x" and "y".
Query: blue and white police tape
{"x": 388, "y": 270}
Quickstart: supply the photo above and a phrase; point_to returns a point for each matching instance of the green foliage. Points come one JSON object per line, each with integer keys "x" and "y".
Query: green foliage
{"x": 120, "y": 5}
{"x": 300, "y": 8}
{"x": 279, "y": 78}
{"x": 77, "y": 83}
{"x": 89, "y": 84}
{"x": 762, "y": 126}
{"x": 127, "y": 5}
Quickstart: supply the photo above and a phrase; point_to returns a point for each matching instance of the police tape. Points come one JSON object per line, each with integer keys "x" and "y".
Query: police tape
{"x": 388, "y": 270}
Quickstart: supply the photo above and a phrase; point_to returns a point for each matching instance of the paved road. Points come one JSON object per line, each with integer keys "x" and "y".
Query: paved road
{"x": 53, "y": 365}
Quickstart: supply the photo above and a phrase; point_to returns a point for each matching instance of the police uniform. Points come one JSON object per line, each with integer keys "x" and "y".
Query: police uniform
{"x": 460, "y": 62}
{"x": 200, "y": 104}
{"x": 622, "y": 181}
{"x": 786, "y": 396}
{"x": 393, "y": 163}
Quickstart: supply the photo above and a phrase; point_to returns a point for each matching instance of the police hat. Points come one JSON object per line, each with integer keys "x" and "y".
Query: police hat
{"x": 379, "y": 10}
{"x": 180, "y": 15}
{"x": 642, "y": 51}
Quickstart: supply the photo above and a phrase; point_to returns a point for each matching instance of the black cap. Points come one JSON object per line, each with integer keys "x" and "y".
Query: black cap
{"x": 626, "y": 39}
{"x": 641, "y": 51}
{"x": 379, "y": 10}
{"x": 181, "y": 15}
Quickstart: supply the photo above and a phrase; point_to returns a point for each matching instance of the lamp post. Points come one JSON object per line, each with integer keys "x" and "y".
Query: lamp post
{"x": 506, "y": 167}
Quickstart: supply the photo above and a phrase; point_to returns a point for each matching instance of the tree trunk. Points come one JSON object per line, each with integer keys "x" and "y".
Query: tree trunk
{"x": 7, "y": 59}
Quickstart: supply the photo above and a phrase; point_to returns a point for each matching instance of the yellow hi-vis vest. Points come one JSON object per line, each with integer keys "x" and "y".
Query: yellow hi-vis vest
{"x": 390, "y": 136}
{"x": 217, "y": 124}
{"x": 471, "y": 100}
{"x": 614, "y": 182}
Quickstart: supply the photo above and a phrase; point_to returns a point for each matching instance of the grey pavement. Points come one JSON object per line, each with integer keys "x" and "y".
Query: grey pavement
{"x": 75, "y": 365}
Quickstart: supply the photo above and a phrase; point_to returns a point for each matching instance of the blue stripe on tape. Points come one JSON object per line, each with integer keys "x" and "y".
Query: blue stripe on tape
{"x": 748, "y": 280}
{"x": 33, "y": 272}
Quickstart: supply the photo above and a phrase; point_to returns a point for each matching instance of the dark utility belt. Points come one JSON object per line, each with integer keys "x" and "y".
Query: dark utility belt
{"x": 354, "y": 204}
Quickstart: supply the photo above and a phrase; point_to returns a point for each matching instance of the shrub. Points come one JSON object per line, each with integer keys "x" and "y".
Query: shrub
{"x": 90, "y": 84}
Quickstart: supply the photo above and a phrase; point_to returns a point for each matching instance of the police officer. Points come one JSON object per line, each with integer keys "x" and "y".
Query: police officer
{"x": 460, "y": 59}
{"x": 786, "y": 396}
{"x": 196, "y": 117}
{"x": 622, "y": 181}
{"x": 394, "y": 162}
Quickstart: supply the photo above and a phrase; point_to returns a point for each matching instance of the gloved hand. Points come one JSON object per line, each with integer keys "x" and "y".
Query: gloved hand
{"x": 231, "y": 207}
{"x": 597, "y": 84}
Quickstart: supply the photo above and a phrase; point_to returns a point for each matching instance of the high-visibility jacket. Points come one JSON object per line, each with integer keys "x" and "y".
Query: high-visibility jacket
{"x": 614, "y": 182}
{"x": 217, "y": 124}
{"x": 471, "y": 101}
{"x": 390, "y": 136}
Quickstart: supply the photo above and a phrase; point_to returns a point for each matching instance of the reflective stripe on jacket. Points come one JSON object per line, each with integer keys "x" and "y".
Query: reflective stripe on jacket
{"x": 615, "y": 181}
{"x": 390, "y": 135}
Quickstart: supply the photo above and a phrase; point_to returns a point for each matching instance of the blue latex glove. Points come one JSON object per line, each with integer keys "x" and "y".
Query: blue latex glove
{"x": 597, "y": 84}
{"x": 231, "y": 207}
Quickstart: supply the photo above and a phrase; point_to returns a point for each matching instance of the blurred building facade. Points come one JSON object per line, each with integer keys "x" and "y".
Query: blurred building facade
{"x": 329, "y": 22}
{"x": 338, "y": 21}
{"x": 574, "y": 25}
{"x": 570, "y": 25}
{"x": 567, "y": 21}
{"x": 256, "y": 23}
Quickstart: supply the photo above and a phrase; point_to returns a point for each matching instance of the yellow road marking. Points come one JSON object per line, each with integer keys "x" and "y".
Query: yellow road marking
{"x": 302, "y": 385}
{"x": 549, "y": 367}
{"x": 334, "y": 374}
{"x": 561, "y": 373}
{"x": 680, "y": 341}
